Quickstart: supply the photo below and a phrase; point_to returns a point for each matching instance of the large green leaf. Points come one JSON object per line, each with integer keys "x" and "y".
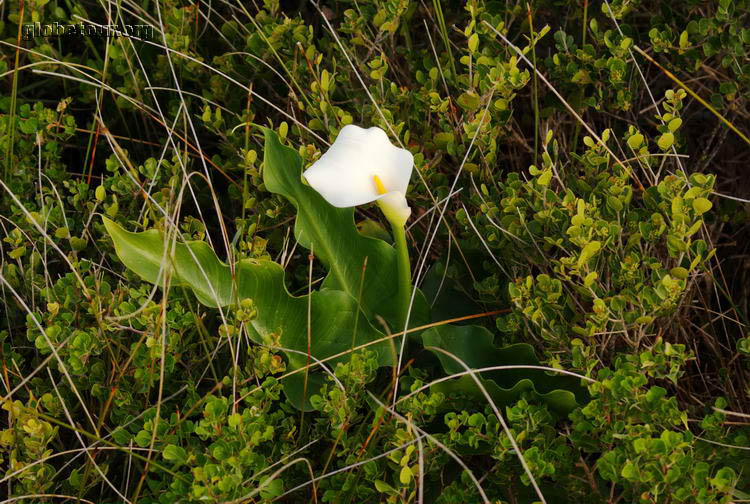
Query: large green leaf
{"x": 335, "y": 240}
{"x": 446, "y": 297}
{"x": 474, "y": 346}
{"x": 195, "y": 265}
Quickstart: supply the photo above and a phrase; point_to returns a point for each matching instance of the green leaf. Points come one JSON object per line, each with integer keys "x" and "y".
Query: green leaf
{"x": 100, "y": 193}
{"x": 374, "y": 229}
{"x": 474, "y": 346}
{"x": 234, "y": 420}
{"x": 679, "y": 272}
{"x": 684, "y": 39}
{"x": 383, "y": 487}
{"x": 614, "y": 203}
{"x": 175, "y": 454}
{"x": 62, "y": 232}
{"x": 445, "y": 295}
{"x": 469, "y": 100}
{"x": 727, "y": 88}
{"x": 701, "y": 205}
{"x": 29, "y": 126}
{"x": 220, "y": 451}
{"x": 194, "y": 264}
{"x": 629, "y": 471}
{"x": 143, "y": 438}
{"x": 665, "y": 141}
{"x": 77, "y": 243}
{"x": 272, "y": 489}
{"x": 724, "y": 479}
{"x": 334, "y": 239}
{"x": 589, "y": 251}
{"x": 442, "y": 139}
{"x": 473, "y": 42}
{"x": 405, "y": 475}
{"x": 545, "y": 178}
{"x": 590, "y": 279}
{"x": 121, "y": 436}
{"x": 635, "y": 141}
{"x": 17, "y": 252}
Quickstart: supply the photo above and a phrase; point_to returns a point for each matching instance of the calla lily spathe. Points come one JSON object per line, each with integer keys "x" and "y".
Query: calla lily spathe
{"x": 363, "y": 166}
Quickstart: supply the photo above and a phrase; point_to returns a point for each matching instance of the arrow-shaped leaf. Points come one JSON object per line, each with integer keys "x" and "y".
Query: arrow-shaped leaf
{"x": 474, "y": 346}
{"x": 195, "y": 265}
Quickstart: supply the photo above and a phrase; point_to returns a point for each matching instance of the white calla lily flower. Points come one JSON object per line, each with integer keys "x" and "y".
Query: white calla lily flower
{"x": 363, "y": 166}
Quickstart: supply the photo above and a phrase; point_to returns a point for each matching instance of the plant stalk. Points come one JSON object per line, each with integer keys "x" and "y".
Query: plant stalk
{"x": 404, "y": 274}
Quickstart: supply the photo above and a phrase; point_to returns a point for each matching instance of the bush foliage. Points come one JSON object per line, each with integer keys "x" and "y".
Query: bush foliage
{"x": 578, "y": 196}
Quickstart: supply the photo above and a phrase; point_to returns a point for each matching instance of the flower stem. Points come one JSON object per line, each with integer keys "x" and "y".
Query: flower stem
{"x": 404, "y": 274}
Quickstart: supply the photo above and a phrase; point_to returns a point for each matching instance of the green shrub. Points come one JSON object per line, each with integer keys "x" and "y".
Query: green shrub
{"x": 603, "y": 247}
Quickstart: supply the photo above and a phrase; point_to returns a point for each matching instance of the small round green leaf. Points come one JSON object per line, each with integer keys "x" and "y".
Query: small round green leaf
{"x": 666, "y": 140}
{"x": 473, "y": 42}
{"x": 679, "y": 272}
{"x": 701, "y": 205}
{"x": 590, "y": 279}
{"x": 175, "y": 454}
{"x": 684, "y": 39}
{"x": 635, "y": 141}
{"x": 405, "y": 475}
